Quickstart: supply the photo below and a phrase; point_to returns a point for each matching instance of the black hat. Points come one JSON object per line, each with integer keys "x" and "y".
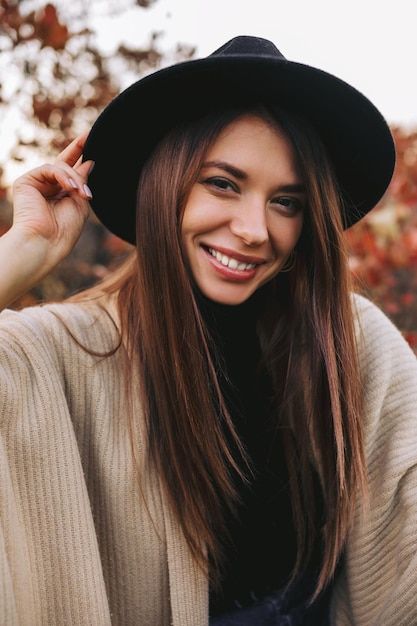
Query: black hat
{"x": 244, "y": 70}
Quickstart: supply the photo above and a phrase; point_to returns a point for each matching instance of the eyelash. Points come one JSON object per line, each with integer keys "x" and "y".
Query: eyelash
{"x": 214, "y": 181}
{"x": 290, "y": 204}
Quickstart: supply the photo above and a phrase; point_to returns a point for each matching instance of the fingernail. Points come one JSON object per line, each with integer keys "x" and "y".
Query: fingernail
{"x": 87, "y": 191}
{"x": 91, "y": 167}
{"x": 73, "y": 183}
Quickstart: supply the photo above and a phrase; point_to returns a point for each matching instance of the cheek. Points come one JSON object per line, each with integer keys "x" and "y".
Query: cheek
{"x": 298, "y": 230}
{"x": 187, "y": 221}
{"x": 200, "y": 216}
{"x": 192, "y": 214}
{"x": 286, "y": 233}
{"x": 194, "y": 224}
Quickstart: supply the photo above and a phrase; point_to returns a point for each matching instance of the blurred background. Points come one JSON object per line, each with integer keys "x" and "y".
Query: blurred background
{"x": 61, "y": 63}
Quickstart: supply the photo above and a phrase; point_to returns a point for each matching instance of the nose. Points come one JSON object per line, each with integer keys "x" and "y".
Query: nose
{"x": 249, "y": 223}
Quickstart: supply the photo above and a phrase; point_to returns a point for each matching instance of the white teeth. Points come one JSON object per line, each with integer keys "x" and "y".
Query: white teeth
{"x": 230, "y": 262}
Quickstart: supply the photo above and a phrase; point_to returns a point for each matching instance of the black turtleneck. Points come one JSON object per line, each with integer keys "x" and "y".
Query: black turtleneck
{"x": 263, "y": 551}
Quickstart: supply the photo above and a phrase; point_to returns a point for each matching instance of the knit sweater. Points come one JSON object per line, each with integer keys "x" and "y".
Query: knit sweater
{"x": 82, "y": 544}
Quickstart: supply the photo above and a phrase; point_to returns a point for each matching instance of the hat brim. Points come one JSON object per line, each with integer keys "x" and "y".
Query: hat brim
{"x": 356, "y": 135}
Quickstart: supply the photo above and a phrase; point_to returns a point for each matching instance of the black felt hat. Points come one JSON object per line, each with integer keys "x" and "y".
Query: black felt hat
{"x": 245, "y": 70}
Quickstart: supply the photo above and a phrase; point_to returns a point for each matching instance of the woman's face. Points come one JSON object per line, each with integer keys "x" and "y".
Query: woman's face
{"x": 244, "y": 214}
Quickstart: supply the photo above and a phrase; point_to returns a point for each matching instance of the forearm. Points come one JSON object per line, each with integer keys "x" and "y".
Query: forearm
{"x": 23, "y": 264}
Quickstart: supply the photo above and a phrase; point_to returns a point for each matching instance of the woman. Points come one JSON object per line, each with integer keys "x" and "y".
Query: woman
{"x": 219, "y": 432}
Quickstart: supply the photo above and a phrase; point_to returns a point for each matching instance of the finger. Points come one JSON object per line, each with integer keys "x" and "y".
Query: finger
{"x": 84, "y": 168}
{"x": 71, "y": 189}
{"x": 74, "y": 178}
{"x": 54, "y": 181}
{"x": 79, "y": 172}
{"x": 72, "y": 153}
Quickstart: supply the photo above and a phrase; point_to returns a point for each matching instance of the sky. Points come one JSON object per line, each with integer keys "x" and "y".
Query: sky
{"x": 371, "y": 44}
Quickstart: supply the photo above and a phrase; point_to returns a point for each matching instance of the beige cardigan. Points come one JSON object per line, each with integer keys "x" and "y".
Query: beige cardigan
{"x": 77, "y": 544}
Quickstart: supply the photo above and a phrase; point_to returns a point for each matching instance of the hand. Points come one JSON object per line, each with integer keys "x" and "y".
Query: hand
{"x": 50, "y": 208}
{"x": 50, "y": 203}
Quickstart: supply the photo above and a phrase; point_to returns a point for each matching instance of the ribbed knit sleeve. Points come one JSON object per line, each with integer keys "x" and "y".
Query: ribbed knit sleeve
{"x": 81, "y": 543}
{"x": 50, "y": 569}
{"x": 378, "y": 582}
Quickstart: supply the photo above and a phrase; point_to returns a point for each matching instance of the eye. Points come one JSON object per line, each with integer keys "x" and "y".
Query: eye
{"x": 220, "y": 183}
{"x": 289, "y": 204}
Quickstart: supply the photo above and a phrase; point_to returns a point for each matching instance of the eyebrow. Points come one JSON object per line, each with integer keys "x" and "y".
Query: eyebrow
{"x": 230, "y": 169}
{"x": 240, "y": 175}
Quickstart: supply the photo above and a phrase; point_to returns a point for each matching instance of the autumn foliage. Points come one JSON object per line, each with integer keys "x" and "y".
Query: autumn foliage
{"x": 383, "y": 246}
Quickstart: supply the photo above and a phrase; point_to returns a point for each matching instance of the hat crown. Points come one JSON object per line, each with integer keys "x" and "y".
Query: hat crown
{"x": 246, "y": 69}
{"x": 250, "y": 46}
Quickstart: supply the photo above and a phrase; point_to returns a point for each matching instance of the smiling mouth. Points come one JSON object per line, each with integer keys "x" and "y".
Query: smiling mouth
{"x": 230, "y": 262}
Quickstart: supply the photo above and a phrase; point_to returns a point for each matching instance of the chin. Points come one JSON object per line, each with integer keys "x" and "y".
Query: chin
{"x": 227, "y": 297}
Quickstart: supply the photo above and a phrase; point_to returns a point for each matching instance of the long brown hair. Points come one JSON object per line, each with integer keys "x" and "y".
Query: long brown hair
{"x": 308, "y": 345}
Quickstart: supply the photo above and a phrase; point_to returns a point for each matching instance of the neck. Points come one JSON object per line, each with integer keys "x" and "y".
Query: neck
{"x": 242, "y": 316}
